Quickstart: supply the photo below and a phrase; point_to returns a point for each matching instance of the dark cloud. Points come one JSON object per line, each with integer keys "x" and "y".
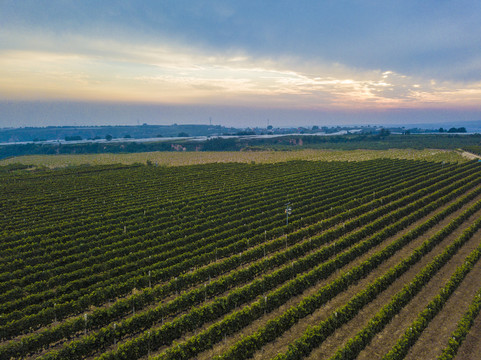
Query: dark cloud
{"x": 297, "y": 55}
{"x": 431, "y": 38}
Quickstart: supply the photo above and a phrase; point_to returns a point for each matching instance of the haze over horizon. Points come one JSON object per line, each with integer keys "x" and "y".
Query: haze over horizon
{"x": 239, "y": 63}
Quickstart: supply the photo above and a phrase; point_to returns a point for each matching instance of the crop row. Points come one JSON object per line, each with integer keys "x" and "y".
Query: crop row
{"x": 187, "y": 212}
{"x": 144, "y": 281}
{"x": 127, "y": 207}
{"x": 462, "y": 329}
{"x": 388, "y": 311}
{"x": 123, "y": 195}
{"x": 231, "y": 323}
{"x": 57, "y": 283}
{"x": 147, "y": 319}
{"x": 315, "y": 335}
{"x": 210, "y": 244}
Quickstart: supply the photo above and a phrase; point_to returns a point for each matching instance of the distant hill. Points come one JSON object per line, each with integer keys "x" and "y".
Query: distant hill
{"x": 93, "y": 132}
{"x": 471, "y": 126}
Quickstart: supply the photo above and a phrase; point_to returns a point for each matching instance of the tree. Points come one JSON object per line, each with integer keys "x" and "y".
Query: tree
{"x": 108, "y": 137}
{"x": 457, "y": 130}
{"x": 219, "y": 144}
{"x": 384, "y": 132}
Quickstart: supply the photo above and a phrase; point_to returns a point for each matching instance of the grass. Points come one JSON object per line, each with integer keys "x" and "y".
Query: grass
{"x": 190, "y": 158}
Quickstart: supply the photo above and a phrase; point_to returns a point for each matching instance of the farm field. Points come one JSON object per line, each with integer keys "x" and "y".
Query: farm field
{"x": 377, "y": 259}
{"x": 204, "y": 157}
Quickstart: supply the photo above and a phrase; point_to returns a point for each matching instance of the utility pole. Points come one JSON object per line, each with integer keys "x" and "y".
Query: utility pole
{"x": 288, "y": 212}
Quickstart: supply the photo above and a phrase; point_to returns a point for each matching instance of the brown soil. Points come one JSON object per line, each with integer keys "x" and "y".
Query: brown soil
{"x": 383, "y": 342}
{"x": 470, "y": 155}
{"x": 350, "y": 329}
{"x": 186, "y": 336}
{"x": 236, "y": 337}
{"x": 171, "y": 297}
{"x": 435, "y": 337}
{"x": 471, "y": 347}
{"x": 281, "y": 344}
{"x": 253, "y": 327}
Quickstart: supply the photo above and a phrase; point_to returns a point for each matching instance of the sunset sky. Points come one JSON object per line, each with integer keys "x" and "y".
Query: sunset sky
{"x": 239, "y": 62}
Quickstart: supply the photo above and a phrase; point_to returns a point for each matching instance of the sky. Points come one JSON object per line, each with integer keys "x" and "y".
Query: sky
{"x": 239, "y": 63}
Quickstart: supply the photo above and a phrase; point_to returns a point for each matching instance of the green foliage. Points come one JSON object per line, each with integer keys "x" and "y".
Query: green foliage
{"x": 73, "y": 138}
{"x": 14, "y": 167}
{"x": 464, "y": 325}
{"x": 381, "y": 141}
{"x": 205, "y": 248}
{"x": 220, "y": 144}
{"x": 474, "y": 149}
{"x": 457, "y": 130}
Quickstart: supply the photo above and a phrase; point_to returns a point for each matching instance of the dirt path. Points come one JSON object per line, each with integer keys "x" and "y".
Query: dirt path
{"x": 468, "y": 155}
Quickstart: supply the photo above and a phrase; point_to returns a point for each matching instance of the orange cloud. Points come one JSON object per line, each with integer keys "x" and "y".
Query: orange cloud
{"x": 170, "y": 75}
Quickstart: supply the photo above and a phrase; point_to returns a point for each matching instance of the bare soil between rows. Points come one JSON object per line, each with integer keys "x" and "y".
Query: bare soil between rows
{"x": 436, "y": 336}
{"x": 219, "y": 348}
{"x": 471, "y": 347}
{"x": 339, "y": 338}
{"x": 384, "y": 341}
{"x": 281, "y": 344}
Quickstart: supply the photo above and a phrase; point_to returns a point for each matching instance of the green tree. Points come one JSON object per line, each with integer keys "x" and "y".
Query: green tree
{"x": 384, "y": 132}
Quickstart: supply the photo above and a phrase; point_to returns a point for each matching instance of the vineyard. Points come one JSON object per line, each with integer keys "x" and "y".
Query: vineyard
{"x": 378, "y": 259}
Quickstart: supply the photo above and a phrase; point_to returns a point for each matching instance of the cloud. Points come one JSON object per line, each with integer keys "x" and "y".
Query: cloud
{"x": 43, "y": 65}
{"x": 308, "y": 58}
{"x": 428, "y": 39}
